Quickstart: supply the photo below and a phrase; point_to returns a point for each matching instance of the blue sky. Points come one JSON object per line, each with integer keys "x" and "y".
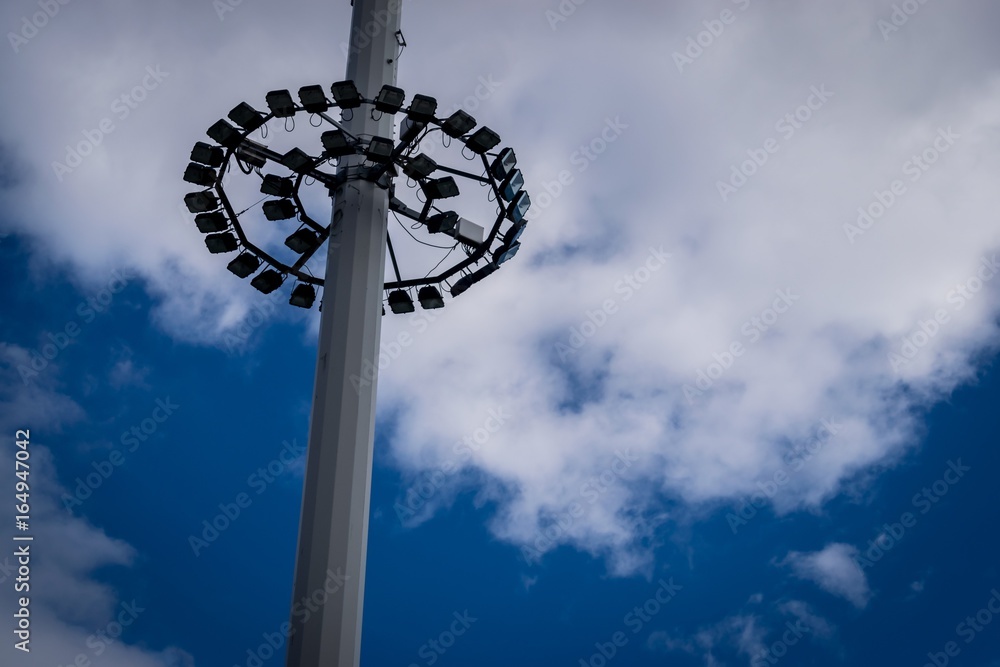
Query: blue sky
{"x": 743, "y": 370}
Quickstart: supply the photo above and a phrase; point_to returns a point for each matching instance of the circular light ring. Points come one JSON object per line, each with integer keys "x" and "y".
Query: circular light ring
{"x": 483, "y": 250}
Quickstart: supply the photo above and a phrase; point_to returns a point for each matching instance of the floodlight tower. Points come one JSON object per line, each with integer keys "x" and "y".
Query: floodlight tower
{"x": 333, "y": 531}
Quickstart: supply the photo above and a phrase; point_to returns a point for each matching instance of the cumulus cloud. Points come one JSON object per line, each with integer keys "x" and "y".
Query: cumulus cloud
{"x": 780, "y": 304}
{"x": 834, "y": 569}
{"x": 741, "y": 634}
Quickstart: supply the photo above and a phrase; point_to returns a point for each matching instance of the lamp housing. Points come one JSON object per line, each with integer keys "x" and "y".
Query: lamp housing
{"x": 280, "y": 103}
{"x": 208, "y": 155}
{"x": 346, "y": 95}
{"x": 267, "y": 281}
{"x": 246, "y": 117}
{"x": 220, "y": 243}
{"x": 313, "y": 99}
{"x": 279, "y": 209}
{"x": 209, "y": 223}
{"x": 303, "y": 296}
{"x": 482, "y": 140}
{"x": 458, "y": 124}
{"x": 400, "y": 302}
{"x": 389, "y": 99}
{"x": 244, "y": 264}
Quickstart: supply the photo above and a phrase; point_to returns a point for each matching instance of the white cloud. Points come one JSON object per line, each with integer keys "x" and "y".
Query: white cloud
{"x": 655, "y": 185}
{"x": 742, "y": 633}
{"x": 834, "y": 569}
{"x": 70, "y": 604}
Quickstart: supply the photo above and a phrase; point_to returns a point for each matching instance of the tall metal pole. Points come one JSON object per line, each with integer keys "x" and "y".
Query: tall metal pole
{"x": 333, "y": 533}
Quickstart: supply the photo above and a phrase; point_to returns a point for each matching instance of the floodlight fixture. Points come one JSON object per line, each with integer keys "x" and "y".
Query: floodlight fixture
{"x": 409, "y": 129}
{"x": 200, "y": 175}
{"x": 514, "y": 233}
{"x": 458, "y": 124}
{"x": 201, "y": 202}
{"x": 512, "y": 185}
{"x": 313, "y": 99}
{"x": 380, "y": 149}
{"x": 519, "y": 207}
{"x": 442, "y": 222}
{"x": 279, "y": 209}
{"x": 220, "y": 243}
{"x": 252, "y": 153}
{"x": 208, "y": 155}
{"x": 419, "y": 167}
{"x": 389, "y": 99}
{"x": 297, "y": 160}
{"x": 346, "y": 95}
{"x": 400, "y": 302}
{"x": 336, "y": 144}
{"x": 302, "y": 241}
{"x": 277, "y": 186}
{"x": 482, "y": 140}
{"x": 209, "y": 223}
{"x": 246, "y": 117}
{"x": 225, "y": 134}
{"x": 430, "y": 298}
{"x": 303, "y": 296}
{"x": 504, "y": 164}
{"x": 441, "y": 188}
{"x": 267, "y": 281}
{"x": 422, "y": 108}
{"x": 244, "y": 264}
{"x": 467, "y": 281}
{"x": 505, "y": 253}
{"x": 280, "y": 103}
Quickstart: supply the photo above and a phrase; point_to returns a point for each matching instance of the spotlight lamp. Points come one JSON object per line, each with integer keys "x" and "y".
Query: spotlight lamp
{"x": 519, "y": 207}
{"x": 336, "y": 143}
{"x": 512, "y": 185}
{"x": 279, "y": 209}
{"x": 208, "y": 155}
{"x": 267, "y": 281}
{"x": 303, "y": 296}
{"x": 246, "y": 117}
{"x": 277, "y": 186}
{"x": 441, "y": 188}
{"x": 244, "y": 265}
{"x": 458, "y": 124}
{"x": 220, "y": 243}
{"x": 504, "y": 164}
{"x": 200, "y": 175}
{"x": 389, "y": 99}
{"x": 419, "y": 167}
{"x": 302, "y": 241}
{"x": 400, "y": 302}
{"x": 422, "y": 109}
{"x": 200, "y": 202}
{"x": 514, "y": 233}
{"x": 348, "y": 154}
{"x": 380, "y": 149}
{"x": 224, "y": 133}
{"x": 482, "y": 140}
{"x": 209, "y": 223}
{"x": 346, "y": 95}
{"x": 313, "y": 99}
{"x": 297, "y": 160}
{"x": 280, "y": 103}
{"x": 505, "y": 253}
{"x": 430, "y": 298}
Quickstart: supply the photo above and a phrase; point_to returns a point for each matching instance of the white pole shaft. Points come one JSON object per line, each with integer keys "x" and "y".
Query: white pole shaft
{"x": 333, "y": 533}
